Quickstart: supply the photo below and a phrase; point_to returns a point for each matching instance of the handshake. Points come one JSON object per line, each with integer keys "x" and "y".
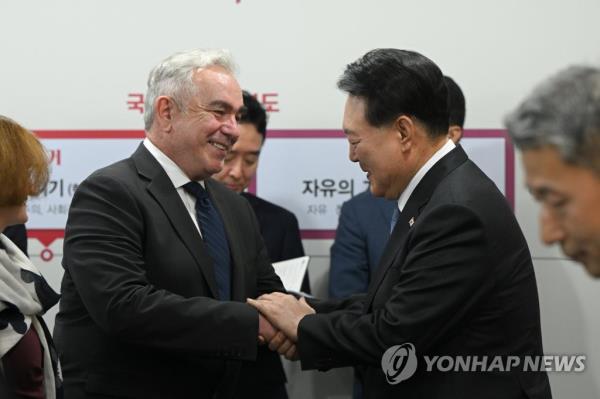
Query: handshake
{"x": 278, "y": 319}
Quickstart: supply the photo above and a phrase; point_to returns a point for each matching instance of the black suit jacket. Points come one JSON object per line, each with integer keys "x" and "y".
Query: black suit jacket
{"x": 363, "y": 231}
{"x": 279, "y": 228}
{"x": 280, "y": 231}
{"x": 138, "y": 316}
{"x": 457, "y": 280}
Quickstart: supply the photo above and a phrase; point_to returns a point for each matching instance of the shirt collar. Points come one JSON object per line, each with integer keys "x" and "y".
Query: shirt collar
{"x": 439, "y": 154}
{"x": 177, "y": 176}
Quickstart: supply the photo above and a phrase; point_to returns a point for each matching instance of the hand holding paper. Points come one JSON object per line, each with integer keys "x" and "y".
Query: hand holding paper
{"x": 291, "y": 272}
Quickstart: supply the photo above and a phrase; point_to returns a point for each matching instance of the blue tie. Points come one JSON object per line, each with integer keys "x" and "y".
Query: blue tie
{"x": 213, "y": 233}
{"x": 395, "y": 217}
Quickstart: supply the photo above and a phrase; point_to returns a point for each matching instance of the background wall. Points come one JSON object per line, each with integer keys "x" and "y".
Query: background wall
{"x": 73, "y": 65}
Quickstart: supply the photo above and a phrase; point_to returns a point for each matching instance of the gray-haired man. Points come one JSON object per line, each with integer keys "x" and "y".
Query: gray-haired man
{"x": 159, "y": 258}
{"x": 557, "y": 128}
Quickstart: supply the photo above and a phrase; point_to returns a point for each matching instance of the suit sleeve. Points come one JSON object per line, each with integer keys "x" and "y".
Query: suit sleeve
{"x": 441, "y": 279}
{"x": 104, "y": 256}
{"x": 332, "y": 305}
{"x": 349, "y": 269}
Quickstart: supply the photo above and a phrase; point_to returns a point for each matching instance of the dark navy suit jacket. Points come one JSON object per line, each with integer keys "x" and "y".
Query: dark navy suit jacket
{"x": 362, "y": 233}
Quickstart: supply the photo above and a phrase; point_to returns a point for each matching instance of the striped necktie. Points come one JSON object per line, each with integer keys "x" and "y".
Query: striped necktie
{"x": 214, "y": 236}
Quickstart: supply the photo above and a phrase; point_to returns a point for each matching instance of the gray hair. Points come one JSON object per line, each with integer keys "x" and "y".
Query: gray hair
{"x": 173, "y": 77}
{"x": 564, "y": 112}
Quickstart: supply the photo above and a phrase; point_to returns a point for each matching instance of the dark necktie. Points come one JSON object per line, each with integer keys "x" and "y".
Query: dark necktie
{"x": 213, "y": 234}
{"x": 395, "y": 217}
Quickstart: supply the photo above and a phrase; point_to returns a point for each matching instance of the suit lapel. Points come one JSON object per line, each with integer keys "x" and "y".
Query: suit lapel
{"x": 389, "y": 254}
{"x": 161, "y": 189}
{"x": 409, "y": 215}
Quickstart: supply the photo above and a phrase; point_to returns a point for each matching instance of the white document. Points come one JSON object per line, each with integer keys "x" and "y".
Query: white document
{"x": 291, "y": 272}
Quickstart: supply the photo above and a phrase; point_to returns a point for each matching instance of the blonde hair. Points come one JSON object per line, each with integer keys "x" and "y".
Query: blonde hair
{"x": 23, "y": 164}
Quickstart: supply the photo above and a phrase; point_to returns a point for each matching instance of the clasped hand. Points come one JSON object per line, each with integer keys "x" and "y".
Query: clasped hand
{"x": 279, "y": 317}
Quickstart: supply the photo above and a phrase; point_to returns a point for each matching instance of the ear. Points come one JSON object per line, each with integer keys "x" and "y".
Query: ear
{"x": 455, "y": 133}
{"x": 405, "y": 128}
{"x": 165, "y": 109}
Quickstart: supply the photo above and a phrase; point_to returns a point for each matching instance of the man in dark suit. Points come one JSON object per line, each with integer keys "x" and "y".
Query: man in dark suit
{"x": 361, "y": 236}
{"x": 159, "y": 258}
{"x": 278, "y": 226}
{"x": 456, "y": 277}
{"x": 362, "y": 233}
{"x": 364, "y": 226}
{"x": 557, "y": 128}
{"x": 264, "y": 378}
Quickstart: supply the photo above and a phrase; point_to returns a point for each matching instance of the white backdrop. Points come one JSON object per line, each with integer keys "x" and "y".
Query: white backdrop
{"x": 305, "y": 170}
{"x": 76, "y": 64}
{"x": 309, "y": 172}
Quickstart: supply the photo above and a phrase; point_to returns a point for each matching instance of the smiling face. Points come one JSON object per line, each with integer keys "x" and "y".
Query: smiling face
{"x": 199, "y": 137}
{"x": 241, "y": 163}
{"x": 378, "y": 150}
{"x": 570, "y": 200}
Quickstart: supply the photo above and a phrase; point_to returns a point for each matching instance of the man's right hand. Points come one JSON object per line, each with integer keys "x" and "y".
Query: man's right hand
{"x": 277, "y": 341}
{"x": 266, "y": 331}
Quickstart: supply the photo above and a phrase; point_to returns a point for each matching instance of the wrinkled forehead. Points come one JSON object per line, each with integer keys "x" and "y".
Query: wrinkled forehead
{"x": 541, "y": 163}
{"x": 546, "y": 172}
{"x": 215, "y": 84}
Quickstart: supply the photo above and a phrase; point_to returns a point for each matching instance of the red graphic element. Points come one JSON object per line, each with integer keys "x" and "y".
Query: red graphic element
{"x": 509, "y": 157}
{"x": 90, "y": 134}
{"x": 270, "y": 101}
{"x": 136, "y": 103}
{"x": 55, "y": 157}
{"x": 46, "y": 236}
{"x": 46, "y": 254}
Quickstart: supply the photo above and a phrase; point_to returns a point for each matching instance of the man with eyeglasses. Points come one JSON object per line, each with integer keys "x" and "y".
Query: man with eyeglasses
{"x": 159, "y": 258}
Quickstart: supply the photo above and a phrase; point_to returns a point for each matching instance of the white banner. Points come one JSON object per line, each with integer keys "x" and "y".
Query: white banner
{"x": 305, "y": 171}
{"x": 309, "y": 173}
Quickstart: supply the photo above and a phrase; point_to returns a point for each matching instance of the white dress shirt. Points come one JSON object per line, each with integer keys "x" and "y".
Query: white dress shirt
{"x": 178, "y": 178}
{"x": 439, "y": 154}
